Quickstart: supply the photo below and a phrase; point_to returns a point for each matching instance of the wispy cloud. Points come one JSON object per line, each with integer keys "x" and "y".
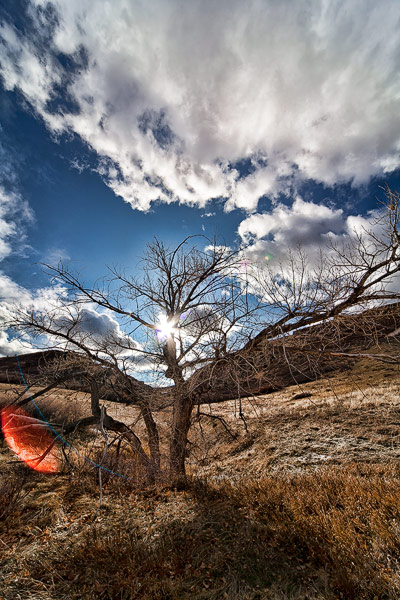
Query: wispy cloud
{"x": 171, "y": 95}
{"x": 55, "y": 255}
{"x": 15, "y": 216}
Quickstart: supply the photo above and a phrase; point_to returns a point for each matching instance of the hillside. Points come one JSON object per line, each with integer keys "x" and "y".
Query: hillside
{"x": 265, "y": 368}
{"x": 339, "y": 418}
{"x": 305, "y": 504}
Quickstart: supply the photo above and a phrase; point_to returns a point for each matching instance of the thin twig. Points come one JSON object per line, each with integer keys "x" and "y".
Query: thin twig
{"x": 220, "y": 419}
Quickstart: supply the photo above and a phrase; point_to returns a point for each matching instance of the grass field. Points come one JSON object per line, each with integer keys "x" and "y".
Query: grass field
{"x": 304, "y": 505}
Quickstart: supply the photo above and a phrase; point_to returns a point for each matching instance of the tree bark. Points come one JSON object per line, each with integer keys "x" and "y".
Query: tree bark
{"x": 152, "y": 432}
{"x": 181, "y": 417}
{"x": 120, "y": 427}
{"x": 181, "y": 414}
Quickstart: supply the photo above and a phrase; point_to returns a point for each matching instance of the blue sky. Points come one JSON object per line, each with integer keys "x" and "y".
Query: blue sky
{"x": 122, "y": 119}
{"x": 76, "y": 216}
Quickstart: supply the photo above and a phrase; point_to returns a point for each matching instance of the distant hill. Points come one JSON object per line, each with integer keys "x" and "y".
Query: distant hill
{"x": 305, "y": 356}
{"x": 31, "y": 365}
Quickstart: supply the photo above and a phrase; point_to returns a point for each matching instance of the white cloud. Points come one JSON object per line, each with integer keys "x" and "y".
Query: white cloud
{"x": 14, "y": 299}
{"x": 217, "y": 249}
{"x": 10, "y": 346}
{"x": 99, "y": 326}
{"x": 294, "y": 243}
{"x": 11, "y": 292}
{"x": 304, "y": 223}
{"x": 270, "y": 235}
{"x": 55, "y": 255}
{"x": 14, "y": 213}
{"x": 95, "y": 329}
{"x": 171, "y": 93}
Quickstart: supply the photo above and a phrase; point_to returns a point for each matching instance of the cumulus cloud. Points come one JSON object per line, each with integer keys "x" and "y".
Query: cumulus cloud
{"x": 300, "y": 253}
{"x": 269, "y": 236}
{"x": 15, "y": 299}
{"x": 172, "y": 95}
{"x": 304, "y": 223}
{"x": 293, "y": 244}
{"x": 89, "y": 324}
{"x": 101, "y": 325}
{"x": 10, "y": 346}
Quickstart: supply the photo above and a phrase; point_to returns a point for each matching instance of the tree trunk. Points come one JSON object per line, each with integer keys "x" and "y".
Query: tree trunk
{"x": 182, "y": 413}
{"x": 152, "y": 432}
{"x": 120, "y": 427}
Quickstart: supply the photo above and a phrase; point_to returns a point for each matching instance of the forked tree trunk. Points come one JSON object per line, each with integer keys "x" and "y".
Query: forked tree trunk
{"x": 108, "y": 422}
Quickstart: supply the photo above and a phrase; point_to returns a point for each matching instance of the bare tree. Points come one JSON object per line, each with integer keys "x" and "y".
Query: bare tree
{"x": 204, "y": 319}
{"x": 187, "y": 308}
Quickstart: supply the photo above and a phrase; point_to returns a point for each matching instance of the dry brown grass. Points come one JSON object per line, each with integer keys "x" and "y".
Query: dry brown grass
{"x": 348, "y": 417}
{"x": 306, "y": 505}
{"x": 58, "y": 406}
{"x": 329, "y": 535}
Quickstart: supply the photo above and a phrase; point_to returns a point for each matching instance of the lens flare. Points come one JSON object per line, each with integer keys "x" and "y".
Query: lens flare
{"x": 30, "y": 439}
{"x": 185, "y": 314}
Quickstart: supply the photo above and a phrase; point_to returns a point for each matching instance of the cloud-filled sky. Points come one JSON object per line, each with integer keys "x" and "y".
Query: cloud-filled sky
{"x": 270, "y": 123}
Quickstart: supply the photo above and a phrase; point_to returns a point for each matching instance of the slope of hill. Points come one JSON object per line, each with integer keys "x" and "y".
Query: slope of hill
{"x": 30, "y": 363}
{"x": 305, "y": 504}
{"x": 304, "y": 356}
{"x": 347, "y": 417}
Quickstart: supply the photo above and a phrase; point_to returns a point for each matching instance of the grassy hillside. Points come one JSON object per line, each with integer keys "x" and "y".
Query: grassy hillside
{"x": 304, "y": 504}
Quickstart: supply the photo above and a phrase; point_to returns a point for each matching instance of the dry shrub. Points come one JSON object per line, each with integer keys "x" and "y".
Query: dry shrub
{"x": 63, "y": 406}
{"x": 58, "y": 406}
{"x": 120, "y": 470}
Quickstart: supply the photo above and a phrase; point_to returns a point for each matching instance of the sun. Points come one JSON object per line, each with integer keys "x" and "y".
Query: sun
{"x": 164, "y": 328}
